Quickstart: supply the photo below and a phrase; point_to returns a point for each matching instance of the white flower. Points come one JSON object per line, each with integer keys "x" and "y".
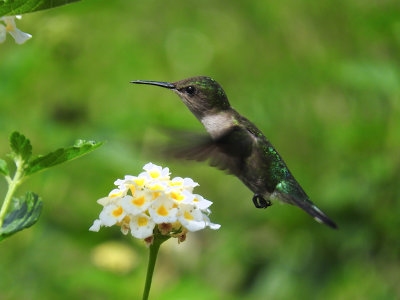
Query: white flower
{"x": 212, "y": 226}
{"x": 113, "y": 197}
{"x": 112, "y": 214}
{"x": 179, "y": 196}
{"x": 183, "y": 183}
{"x": 156, "y": 172}
{"x": 191, "y": 218}
{"x": 10, "y": 27}
{"x": 138, "y": 203}
{"x": 96, "y": 226}
{"x": 3, "y": 33}
{"x": 125, "y": 225}
{"x": 133, "y": 182}
{"x": 157, "y": 186}
{"x": 163, "y": 210}
{"x": 152, "y": 198}
{"x": 142, "y": 226}
{"x": 200, "y": 202}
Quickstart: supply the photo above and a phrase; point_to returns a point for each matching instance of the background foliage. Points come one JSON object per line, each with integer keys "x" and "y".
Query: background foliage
{"x": 320, "y": 78}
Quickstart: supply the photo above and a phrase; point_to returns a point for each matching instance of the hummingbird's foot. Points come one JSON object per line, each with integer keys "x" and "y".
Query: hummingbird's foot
{"x": 260, "y": 202}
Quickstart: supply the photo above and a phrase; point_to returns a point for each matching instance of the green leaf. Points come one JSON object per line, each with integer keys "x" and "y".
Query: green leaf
{"x": 3, "y": 167}
{"x": 59, "y": 156}
{"x": 23, "y": 214}
{"x": 18, "y": 7}
{"x": 20, "y": 145}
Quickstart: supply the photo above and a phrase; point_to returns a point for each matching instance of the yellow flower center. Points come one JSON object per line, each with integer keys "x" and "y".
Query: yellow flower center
{"x": 117, "y": 212}
{"x": 115, "y": 195}
{"x": 156, "y": 187}
{"x": 139, "y": 182}
{"x": 188, "y": 216}
{"x": 154, "y": 174}
{"x": 133, "y": 189}
{"x": 138, "y": 201}
{"x": 9, "y": 27}
{"x": 142, "y": 221}
{"x": 162, "y": 211}
{"x": 177, "y": 196}
{"x": 175, "y": 183}
{"x": 156, "y": 194}
{"x": 125, "y": 221}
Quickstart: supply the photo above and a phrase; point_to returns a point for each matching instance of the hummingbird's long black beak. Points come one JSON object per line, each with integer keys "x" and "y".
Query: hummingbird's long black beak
{"x": 167, "y": 85}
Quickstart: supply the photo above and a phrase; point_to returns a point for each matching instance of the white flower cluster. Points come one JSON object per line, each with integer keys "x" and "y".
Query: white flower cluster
{"x": 152, "y": 198}
{"x": 10, "y": 27}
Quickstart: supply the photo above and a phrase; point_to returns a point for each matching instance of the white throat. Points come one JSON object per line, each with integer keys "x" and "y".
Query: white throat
{"x": 217, "y": 124}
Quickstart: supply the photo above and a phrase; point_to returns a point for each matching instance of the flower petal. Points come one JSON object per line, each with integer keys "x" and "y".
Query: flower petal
{"x": 19, "y": 36}
{"x": 200, "y": 202}
{"x": 142, "y": 226}
{"x": 111, "y": 214}
{"x": 138, "y": 203}
{"x": 211, "y": 225}
{"x": 163, "y": 210}
{"x": 3, "y": 33}
{"x": 96, "y": 226}
{"x": 191, "y": 218}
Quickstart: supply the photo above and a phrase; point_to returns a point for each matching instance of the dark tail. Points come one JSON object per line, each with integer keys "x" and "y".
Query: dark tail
{"x": 314, "y": 211}
{"x": 291, "y": 192}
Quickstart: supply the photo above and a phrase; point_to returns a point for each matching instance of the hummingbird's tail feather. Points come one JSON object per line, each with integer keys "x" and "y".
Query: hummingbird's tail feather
{"x": 291, "y": 192}
{"x": 315, "y": 212}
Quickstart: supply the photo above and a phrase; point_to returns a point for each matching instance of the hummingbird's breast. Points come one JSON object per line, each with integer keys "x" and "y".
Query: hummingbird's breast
{"x": 217, "y": 124}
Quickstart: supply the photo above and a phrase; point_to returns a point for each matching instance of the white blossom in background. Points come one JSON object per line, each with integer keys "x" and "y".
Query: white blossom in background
{"x": 9, "y": 26}
{"x": 152, "y": 200}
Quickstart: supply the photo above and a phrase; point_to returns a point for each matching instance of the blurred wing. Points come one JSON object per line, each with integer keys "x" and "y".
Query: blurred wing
{"x": 225, "y": 153}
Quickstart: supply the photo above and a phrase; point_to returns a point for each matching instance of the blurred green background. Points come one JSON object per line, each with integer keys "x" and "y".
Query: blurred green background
{"x": 320, "y": 78}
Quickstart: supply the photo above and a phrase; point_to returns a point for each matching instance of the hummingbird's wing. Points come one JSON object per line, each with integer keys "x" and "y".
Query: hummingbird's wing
{"x": 227, "y": 152}
{"x": 290, "y": 191}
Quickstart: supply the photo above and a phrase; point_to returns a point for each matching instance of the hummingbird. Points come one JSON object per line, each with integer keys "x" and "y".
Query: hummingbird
{"x": 236, "y": 145}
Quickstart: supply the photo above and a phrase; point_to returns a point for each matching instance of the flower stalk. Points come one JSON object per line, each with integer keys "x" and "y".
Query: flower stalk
{"x": 12, "y": 186}
{"x": 153, "y": 253}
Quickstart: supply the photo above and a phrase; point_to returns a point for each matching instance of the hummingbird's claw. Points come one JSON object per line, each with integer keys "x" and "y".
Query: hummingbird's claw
{"x": 260, "y": 202}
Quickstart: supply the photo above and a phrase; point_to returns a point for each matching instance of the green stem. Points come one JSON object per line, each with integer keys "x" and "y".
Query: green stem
{"x": 12, "y": 186}
{"x": 154, "y": 247}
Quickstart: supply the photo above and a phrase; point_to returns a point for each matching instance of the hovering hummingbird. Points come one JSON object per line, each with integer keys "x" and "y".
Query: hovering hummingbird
{"x": 235, "y": 144}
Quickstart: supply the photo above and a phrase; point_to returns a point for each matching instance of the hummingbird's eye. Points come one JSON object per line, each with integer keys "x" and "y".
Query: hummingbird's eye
{"x": 190, "y": 90}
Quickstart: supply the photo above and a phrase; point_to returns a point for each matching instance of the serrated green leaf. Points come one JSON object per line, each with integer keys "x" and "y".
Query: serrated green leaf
{"x": 20, "y": 145}
{"x": 23, "y": 214}
{"x": 18, "y": 7}
{"x": 3, "y": 167}
{"x": 59, "y": 156}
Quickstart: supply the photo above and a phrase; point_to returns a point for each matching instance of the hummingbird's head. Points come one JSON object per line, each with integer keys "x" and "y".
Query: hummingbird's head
{"x": 201, "y": 94}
